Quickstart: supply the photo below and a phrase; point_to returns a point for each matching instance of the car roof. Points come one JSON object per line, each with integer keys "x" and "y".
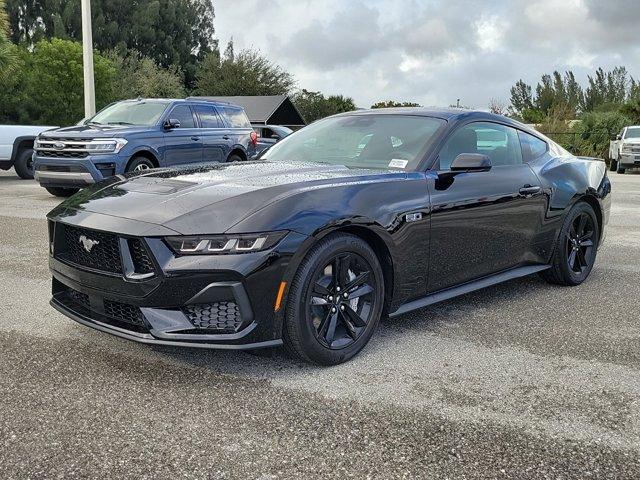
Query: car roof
{"x": 451, "y": 115}
{"x": 179, "y": 100}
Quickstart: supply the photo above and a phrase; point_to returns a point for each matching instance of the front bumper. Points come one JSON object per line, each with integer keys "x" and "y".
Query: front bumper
{"x": 236, "y": 293}
{"x": 77, "y": 172}
{"x": 629, "y": 160}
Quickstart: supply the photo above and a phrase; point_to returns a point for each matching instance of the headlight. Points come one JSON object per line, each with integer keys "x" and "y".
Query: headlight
{"x": 108, "y": 145}
{"x": 224, "y": 244}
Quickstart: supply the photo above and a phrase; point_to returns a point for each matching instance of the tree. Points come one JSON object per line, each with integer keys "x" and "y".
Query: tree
{"x": 7, "y": 54}
{"x": 573, "y": 91}
{"x": 245, "y": 73}
{"x": 521, "y": 97}
{"x": 138, "y": 76}
{"x": 393, "y": 103}
{"x": 497, "y": 107}
{"x": 53, "y": 84}
{"x": 314, "y": 105}
{"x": 171, "y": 32}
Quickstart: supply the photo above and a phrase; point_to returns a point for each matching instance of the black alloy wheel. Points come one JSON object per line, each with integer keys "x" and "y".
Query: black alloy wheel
{"x": 579, "y": 243}
{"x": 341, "y": 300}
{"x": 574, "y": 253}
{"x": 335, "y": 301}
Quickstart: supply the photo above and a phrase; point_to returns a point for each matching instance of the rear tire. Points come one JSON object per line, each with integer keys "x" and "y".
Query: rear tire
{"x": 574, "y": 252}
{"x": 62, "y": 192}
{"x": 335, "y": 301}
{"x": 24, "y": 164}
{"x": 140, "y": 164}
{"x": 234, "y": 158}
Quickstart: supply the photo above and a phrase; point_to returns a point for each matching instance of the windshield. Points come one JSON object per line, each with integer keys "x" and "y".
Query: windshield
{"x": 632, "y": 133}
{"x": 361, "y": 141}
{"x": 130, "y": 113}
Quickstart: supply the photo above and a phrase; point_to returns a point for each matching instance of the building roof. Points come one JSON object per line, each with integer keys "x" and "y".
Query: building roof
{"x": 267, "y": 109}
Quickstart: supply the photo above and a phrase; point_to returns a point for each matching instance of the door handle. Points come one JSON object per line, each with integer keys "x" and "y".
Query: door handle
{"x": 226, "y": 137}
{"x": 530, "y": 190}
{"x": 195, "y": 139}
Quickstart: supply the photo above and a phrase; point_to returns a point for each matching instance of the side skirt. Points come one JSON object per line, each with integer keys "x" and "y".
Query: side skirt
{"x": 467, "y": 288}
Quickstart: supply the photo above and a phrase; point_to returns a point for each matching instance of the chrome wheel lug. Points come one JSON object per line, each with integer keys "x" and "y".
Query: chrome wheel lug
{"x": 342, "y": 307}
{"x": 331, "y": 298}
{"x": 333, "y": 309}
{"x": 345, "y": 294}
{"x": 338, "y": 289}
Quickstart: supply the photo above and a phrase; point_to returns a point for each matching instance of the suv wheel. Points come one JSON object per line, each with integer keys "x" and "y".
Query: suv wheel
{"x": 335, "y": 301}
{"x": 62, "y": 192}
{"x": 140, "y": 164}
{"x": 24, "y": 164}
{"x": 234, "y": 158}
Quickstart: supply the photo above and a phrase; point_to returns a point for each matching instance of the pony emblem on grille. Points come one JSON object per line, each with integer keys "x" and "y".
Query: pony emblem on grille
{"x": 87, "y": 243}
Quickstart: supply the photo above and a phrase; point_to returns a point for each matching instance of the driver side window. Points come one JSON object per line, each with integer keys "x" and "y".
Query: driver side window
{"x": 499, "y": 142}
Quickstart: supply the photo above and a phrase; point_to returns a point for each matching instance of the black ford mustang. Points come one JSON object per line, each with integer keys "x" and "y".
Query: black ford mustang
{"x": 357, "y": 216}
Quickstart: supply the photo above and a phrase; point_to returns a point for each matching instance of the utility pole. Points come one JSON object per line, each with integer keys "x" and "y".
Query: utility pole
{"x": 87, "y": 60}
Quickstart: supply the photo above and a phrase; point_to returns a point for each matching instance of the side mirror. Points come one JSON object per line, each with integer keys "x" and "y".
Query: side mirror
{"x": 471, "y": 162}
{"x": 171, "y": 123}
{"x": 618, "y": 137}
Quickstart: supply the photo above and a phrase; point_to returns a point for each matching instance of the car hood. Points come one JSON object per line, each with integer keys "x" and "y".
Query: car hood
{"x": 230, "y": 192}
{"x": 95, "y": 131}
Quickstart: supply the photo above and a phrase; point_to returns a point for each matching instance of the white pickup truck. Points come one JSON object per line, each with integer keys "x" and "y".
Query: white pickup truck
{"x": 16, "y": 148}
{"x": 624, "y": 149}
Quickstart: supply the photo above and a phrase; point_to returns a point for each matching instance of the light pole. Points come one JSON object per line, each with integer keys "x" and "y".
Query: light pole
{"x": 87, "y": 60}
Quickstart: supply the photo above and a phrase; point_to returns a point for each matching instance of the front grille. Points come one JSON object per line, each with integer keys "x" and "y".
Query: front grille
{"x": 142, "y": 262}
{"x": 62, "y": 147}
{"x": 103, "y": 253}
{"x": 219, "y": 317}
{"x": 124, "y": 313}
{"x": 61, "y": 154}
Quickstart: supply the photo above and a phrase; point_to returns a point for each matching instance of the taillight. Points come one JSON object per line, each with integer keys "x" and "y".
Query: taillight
{"x": 254, "y": 138}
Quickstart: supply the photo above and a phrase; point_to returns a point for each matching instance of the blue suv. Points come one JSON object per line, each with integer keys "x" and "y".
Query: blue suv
{"x": 135, "y": 135}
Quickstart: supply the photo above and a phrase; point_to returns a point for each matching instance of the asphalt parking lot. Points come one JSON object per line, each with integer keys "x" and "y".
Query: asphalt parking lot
{"x": 522, "y": 380}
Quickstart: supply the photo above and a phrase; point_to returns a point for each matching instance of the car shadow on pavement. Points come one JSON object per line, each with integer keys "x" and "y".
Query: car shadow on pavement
{"x": 436, "y": 319}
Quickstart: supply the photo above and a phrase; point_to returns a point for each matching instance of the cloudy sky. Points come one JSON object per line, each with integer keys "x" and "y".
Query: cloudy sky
{"x": 431, "y": 51}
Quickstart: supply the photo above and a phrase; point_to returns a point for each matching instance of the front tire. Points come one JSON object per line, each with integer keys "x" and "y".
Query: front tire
{"x": 140, "y": 164}
{"x": 234, "y": 158}
{"x": 335, "y": 301}
{"x": 62, "y": 192}
{"x": 24, "y": 164}
{"x": 574, "y": 252}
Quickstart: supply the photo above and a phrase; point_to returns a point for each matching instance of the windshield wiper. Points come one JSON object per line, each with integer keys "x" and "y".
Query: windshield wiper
{"x": 92, "y": 123}
{"x": 120, "y": 123}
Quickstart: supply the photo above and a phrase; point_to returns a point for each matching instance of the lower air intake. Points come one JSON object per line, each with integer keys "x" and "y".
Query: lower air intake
{"x": 221, "y": 317}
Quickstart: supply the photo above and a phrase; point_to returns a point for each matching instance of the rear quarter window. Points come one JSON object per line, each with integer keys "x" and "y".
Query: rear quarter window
{"x": 236, "y": 117}
{"x": 532, "y": 147}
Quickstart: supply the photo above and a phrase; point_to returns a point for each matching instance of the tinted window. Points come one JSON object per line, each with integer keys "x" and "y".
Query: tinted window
{"x": 532, "y": 147}
{"x": 208, "y": 116}
{"x": 498, "y": 142}
{"x": 183, "y": 114}
{"x": 236, "y": 117}
{"x": 361, "y": 141}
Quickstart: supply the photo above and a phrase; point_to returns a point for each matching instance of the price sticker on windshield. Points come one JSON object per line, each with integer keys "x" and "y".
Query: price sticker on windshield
{"x": 398, "y": 163}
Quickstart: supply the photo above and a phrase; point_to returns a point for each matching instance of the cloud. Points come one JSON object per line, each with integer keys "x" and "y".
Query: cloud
{"x": 433, "y": 51}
